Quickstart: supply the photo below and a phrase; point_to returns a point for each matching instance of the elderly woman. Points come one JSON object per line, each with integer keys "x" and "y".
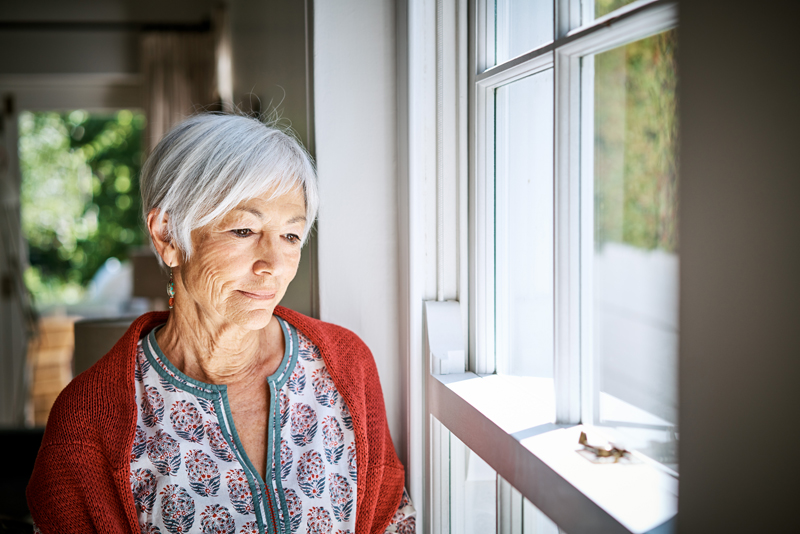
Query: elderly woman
{"x": 228, "y": 414}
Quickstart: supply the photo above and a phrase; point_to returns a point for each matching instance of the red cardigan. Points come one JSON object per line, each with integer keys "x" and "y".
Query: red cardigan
{"x": 81, "y": 480}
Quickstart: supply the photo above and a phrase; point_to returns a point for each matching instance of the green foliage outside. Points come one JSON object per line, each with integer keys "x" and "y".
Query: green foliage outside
{"x": 636, "y": 149}
{"x": 603, "y": 7}
{"x": 80, "y": 197}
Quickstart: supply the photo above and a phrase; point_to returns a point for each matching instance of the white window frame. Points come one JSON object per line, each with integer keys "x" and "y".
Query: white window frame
{"x": 449, "y": 209}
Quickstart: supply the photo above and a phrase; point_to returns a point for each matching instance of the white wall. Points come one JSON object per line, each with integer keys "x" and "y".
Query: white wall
{"x": 356, "y": 140}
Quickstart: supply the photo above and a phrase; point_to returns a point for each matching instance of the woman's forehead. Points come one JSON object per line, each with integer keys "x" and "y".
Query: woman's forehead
{"x": 275, "y": 200}
{"x": 283, "y": 208}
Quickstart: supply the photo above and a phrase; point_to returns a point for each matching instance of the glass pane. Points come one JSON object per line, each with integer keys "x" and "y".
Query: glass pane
{"x": 604, "y": 7}
{"x": 535, "y": 522}
{"x": 473, "y": 491}
{"x": 636, "y": 243}
{"x": 518, "y": 515}
{"x": 521, "y": 26}
{"x": 524, "y": 226}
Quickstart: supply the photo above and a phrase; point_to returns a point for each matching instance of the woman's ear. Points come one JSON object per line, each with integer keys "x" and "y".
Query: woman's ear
{"x": 157, "y": 226}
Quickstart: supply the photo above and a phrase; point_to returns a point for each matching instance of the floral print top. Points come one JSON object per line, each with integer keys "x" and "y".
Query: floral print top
{"x": 189, "y": 471}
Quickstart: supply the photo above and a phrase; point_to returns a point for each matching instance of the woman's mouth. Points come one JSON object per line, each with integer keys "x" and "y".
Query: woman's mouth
{"x": 259, "y": 295}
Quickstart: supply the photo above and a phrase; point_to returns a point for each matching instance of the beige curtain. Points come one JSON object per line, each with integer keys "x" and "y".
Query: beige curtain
{"x": 179, "y": 79}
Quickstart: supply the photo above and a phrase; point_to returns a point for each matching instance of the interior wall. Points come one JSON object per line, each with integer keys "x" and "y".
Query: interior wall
{"x": 150, "y": 11}
{"x": 271, "y": 75}
{"x": 356, "y": 140}
{"x": 60, "y": 51}
{"x": 84, "y": 36}
{"x": 268, "y": 38}
{"x": 740, "y": 266}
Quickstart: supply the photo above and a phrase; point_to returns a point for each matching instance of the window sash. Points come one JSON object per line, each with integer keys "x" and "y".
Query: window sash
{"x": 574, "y": 114}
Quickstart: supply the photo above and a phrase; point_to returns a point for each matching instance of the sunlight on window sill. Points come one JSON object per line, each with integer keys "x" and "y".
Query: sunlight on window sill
{"x": 639, "y": 496}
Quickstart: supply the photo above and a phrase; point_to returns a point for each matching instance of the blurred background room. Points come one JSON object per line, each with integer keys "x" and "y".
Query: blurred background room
{"x": 87, "y": 89}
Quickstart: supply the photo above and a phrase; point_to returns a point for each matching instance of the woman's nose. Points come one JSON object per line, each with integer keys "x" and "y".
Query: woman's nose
{"x": 268, "y": 258}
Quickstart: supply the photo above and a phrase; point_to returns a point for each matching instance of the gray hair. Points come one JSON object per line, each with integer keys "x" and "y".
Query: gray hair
{"x": 207, "y": 165}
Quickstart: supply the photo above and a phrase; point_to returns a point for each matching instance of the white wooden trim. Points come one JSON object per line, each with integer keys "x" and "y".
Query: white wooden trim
{"x": 568, "y": 15}
{"x": 500, "y": 230}
{"x": 415, "y": 197}
{"x": 440, "y": 478}
{"x": 445, "y": 338}
{"x": 567, "y": 239}
{"x": 509, "y": 508}
{"x": 514, "y": 70}
{"x": 590, "y": 380}
{"x": 462, "y": 131}
{"x": 633, "y": 22}
{"x": 476, "y": 35}
{"x": 486, "y": 34}
{"x": 483, "y": 242}
{"x": 448, "y": 141}
{"x": 459, "y": 514}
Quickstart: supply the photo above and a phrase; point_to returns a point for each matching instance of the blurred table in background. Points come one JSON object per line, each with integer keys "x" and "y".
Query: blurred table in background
{"x": 50, "y": 358}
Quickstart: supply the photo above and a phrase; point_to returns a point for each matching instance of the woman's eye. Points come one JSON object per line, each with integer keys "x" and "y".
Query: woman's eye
{"x": 293, "y": 238}
{"x": 242, "y": 232}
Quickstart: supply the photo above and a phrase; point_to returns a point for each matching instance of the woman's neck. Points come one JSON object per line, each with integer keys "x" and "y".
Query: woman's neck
{"x": 221, "y": 353}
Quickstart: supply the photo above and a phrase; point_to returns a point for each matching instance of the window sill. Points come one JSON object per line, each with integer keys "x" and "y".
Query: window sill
{"x": 509, "y": 422}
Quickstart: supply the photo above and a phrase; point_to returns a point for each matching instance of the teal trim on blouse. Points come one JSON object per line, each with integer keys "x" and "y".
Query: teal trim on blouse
{"x": 218, "y": 394}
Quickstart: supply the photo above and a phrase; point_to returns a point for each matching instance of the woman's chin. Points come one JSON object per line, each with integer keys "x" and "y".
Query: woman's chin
{"x": 251, "y": 319}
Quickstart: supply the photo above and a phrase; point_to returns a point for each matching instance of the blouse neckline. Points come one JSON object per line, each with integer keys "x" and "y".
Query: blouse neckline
{"x": 165, "y": 368}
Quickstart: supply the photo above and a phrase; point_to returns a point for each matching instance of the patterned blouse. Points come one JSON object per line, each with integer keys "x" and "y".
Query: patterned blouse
{"x": 190, "y": 473}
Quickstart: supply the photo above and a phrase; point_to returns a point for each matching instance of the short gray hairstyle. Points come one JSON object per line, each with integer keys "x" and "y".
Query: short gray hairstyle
{"x": 209, "y": 164}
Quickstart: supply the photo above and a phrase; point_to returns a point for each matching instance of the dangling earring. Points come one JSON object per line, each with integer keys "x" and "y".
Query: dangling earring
{"x": 171, "y": 289}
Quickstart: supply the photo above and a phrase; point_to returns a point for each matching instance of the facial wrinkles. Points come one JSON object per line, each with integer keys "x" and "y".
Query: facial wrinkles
{"x": 203, "y": 274}
{"x": 262, "y": 261}
{"x": 213, "y": 316}
{"x": 196, "y": 353}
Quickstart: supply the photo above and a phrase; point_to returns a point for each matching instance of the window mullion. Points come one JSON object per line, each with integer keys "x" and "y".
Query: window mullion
{"x": 486, "y": 34}
{"x": 569, "y": 14}
{"x": 588, "y": 363}
{"x": 439, "y": 477}
{"x": 484, "y": 272}
{"x": 567, "y": 239}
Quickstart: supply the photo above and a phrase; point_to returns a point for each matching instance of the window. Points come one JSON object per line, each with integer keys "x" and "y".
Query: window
{"x": 634, "y": 262}
{"x": 551, "y": 276}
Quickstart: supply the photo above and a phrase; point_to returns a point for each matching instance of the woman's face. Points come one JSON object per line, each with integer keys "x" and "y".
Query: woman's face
{"x": 243, "y": 263}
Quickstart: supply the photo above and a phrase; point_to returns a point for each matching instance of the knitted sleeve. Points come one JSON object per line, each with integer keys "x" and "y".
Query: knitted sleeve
{"x": 384, "y": 474}
{"x": 73, "y": 489}
{"x": 81, "y": 479}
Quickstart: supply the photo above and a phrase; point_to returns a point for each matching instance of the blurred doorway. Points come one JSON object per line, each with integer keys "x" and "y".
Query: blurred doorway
{"x": 80, "y": 207}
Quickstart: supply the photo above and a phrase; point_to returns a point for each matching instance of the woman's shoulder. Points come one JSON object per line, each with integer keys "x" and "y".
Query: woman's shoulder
{"x": 346, "y": 356}
{"x": 320, "y": 332}
{"x": 100, "y": 402}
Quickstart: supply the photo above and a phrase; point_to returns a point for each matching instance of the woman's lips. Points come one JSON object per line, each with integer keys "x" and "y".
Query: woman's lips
{"x": 259, "y": 295}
